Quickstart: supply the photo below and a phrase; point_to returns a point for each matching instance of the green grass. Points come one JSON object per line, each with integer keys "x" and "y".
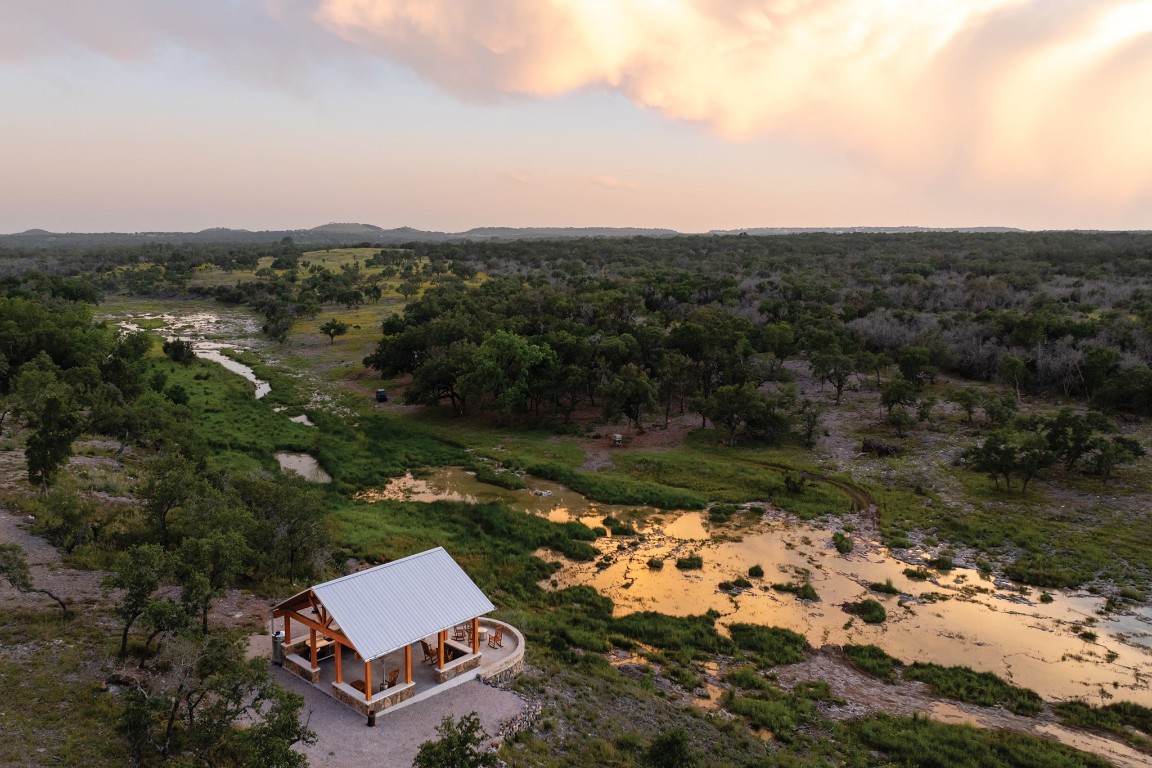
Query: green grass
{"x": 690, "y": 563}
{"x": 1131, "y": 722}
{"x": 914, "y": 741}
{"x": 872, "y": 660}
{"x": 771, "y": 645}
{"x": 982, "y": 688}
{"x": 885, "y": 588}
{"x": 53, "y": 710}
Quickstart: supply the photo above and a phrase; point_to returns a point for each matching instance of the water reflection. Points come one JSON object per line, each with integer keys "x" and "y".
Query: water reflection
{"x": 203, "y": 330}
{"x": 959, "y": 617}
{"x": 304, "y": 465}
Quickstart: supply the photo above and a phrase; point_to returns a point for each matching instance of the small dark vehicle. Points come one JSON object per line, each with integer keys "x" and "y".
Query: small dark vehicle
{"x": 381, "y": 395}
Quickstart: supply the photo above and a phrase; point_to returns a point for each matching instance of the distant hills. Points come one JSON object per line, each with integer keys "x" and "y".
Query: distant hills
{"x": 351, "y": 233}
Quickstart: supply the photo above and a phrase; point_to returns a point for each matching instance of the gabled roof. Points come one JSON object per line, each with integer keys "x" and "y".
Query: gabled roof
{"x": 392, "y": 605}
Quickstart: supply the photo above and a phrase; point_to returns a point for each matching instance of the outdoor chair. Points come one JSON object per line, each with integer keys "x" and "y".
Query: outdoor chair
{"x": 392, "y": 677}
{"x": 496, "y": 640}
{"x": 459, "y": 632}
{"x": 430, "y": 654}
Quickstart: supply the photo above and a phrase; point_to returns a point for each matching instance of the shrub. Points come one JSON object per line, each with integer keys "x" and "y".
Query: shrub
{"x": 842, "y": 542}
{"x": 748, "y": 678}
{"x": 1119, "y": 718}
{"x": 870, "y": 611}
{"x": 942, "y": 563}
{"x": 690, "y": 563}
{"x": 872, "y": 660}
{"x": 803, "y": 591}
{"x": 886, "y": 588}
{"x": 656, "y": 563}
{"x": 917, "y": 574}
{"x": 756, "y": 572}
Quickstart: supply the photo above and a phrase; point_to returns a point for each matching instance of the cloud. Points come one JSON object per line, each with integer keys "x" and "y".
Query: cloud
{"x": 1026, "y": 93}
{"x": 266, "y": 42}
{"x": 611, "y": 182}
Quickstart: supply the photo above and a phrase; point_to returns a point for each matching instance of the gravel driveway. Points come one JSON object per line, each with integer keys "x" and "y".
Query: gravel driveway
{"x": 345, "y": 741}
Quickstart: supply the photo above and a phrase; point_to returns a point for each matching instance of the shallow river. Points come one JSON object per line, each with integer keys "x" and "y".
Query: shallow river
{"x": 957, "y": 617}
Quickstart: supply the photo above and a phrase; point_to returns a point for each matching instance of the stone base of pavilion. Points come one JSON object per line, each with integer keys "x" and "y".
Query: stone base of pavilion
{"x": 490, "y": 664}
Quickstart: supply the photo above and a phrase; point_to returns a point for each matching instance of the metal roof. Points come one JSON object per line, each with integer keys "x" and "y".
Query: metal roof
{"x": 397, "y": 603}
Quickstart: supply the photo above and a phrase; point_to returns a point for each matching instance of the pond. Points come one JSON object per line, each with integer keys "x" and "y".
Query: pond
{"x": 304, "y": 465}
{"x": 1061, "y": 649}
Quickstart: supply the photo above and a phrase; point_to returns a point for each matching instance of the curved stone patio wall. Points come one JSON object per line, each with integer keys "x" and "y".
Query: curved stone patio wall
{"x": 510, "y": 666}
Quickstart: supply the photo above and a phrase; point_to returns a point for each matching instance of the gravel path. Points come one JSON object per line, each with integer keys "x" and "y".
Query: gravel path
{"x": 345, "y": 741}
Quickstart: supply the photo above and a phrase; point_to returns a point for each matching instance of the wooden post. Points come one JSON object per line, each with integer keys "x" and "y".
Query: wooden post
{"x": 312, "y": 642}
{"x": 408, "y": 664}
{"x": 442, "y": 637}
{"x": 287, "y": 630}
{"x": 339, "y": 664}
{"x": 367, "y": 681}
{"x": 476, "y": 634}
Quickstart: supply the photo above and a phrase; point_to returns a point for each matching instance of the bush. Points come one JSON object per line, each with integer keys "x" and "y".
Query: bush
{"x": 656, "y": 563}
{"x": 886, "y": 588}
{"x": 872, "y": 660}
{"x": 691, "y": 633}
{"x": 485, "y": 473}
{"x": 756, "y": 572}
{"x": 917, "y": 574}
{"x": 803, "y": 591}
{"x": 1043, "y": 572}
{"x": 842, "y": 542}
{"x": 942, "y": 563}
{"x": 690, "y": 563}
{"x": 870, "y": 611}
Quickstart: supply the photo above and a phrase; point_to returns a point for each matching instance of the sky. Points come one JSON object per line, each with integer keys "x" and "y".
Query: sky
{"x": 170, "y": 115}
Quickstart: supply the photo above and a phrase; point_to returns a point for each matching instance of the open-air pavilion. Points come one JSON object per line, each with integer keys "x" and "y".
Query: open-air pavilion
{"x": 357, "y": 636}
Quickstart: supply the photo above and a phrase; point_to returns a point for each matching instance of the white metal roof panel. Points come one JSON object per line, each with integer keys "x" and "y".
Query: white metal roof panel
{"x": 397, "y": 603}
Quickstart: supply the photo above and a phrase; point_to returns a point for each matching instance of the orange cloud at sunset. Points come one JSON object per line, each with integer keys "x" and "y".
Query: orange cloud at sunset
{"x": 1018, "y": 93}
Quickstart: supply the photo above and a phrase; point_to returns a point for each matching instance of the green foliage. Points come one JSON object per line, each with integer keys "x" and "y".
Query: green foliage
{"x": 671, "y": 749}
{"x": 1043, "y": 571}
{"x": 982, "y": 688}
{"x": 214, "y": 707}
{"x": 886, "y": 588}
{"x": 774, "y": 710}
{"x": 874, "y": 661}
{"x": 928, "y": 744}
{"x": 748, "y": 678}
{"x": 940, "y": 563}
{"x": 459, "y": 746}
{"x": 690, "y": 563}
{"x": 772, "y": 645}
{"x": 14, "y": 570}
{"x": 614, "y": 489}
{"x": 1131, "y": 722}
{"x": 917, "y": 574}
{"x": 486, "y": 473}
{"x": 842, "y": 542}
{"x": 869, "y": 610}
{"x": 333, "y": 328}
{"x": 675, "y": 633}
{"x": 803, "y": 590}
{"x": 656, "y": 563}
{"x": 756, "y": 571}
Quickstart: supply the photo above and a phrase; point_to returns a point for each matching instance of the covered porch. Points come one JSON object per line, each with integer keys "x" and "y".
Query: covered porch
{"x": 376, "y": 639}
{"x": 344, "y": 680}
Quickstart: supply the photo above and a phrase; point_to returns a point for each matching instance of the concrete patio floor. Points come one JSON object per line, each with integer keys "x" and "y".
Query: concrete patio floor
{"x": 423, "y": 673}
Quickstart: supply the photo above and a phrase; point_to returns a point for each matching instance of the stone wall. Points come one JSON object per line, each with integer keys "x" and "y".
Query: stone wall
{"x": 346, "y": 694}
{"x": 510, "y": 666}
{"x": 301, "y": 667}
{"x": 457, "y": 668}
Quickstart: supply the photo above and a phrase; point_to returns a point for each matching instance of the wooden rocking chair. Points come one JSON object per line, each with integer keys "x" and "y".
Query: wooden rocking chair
{"x": 459, "y": 632}
{"x": 393, "y": 676}
{"x": 496, "y": 640}
{"x": 431, "y": 655}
